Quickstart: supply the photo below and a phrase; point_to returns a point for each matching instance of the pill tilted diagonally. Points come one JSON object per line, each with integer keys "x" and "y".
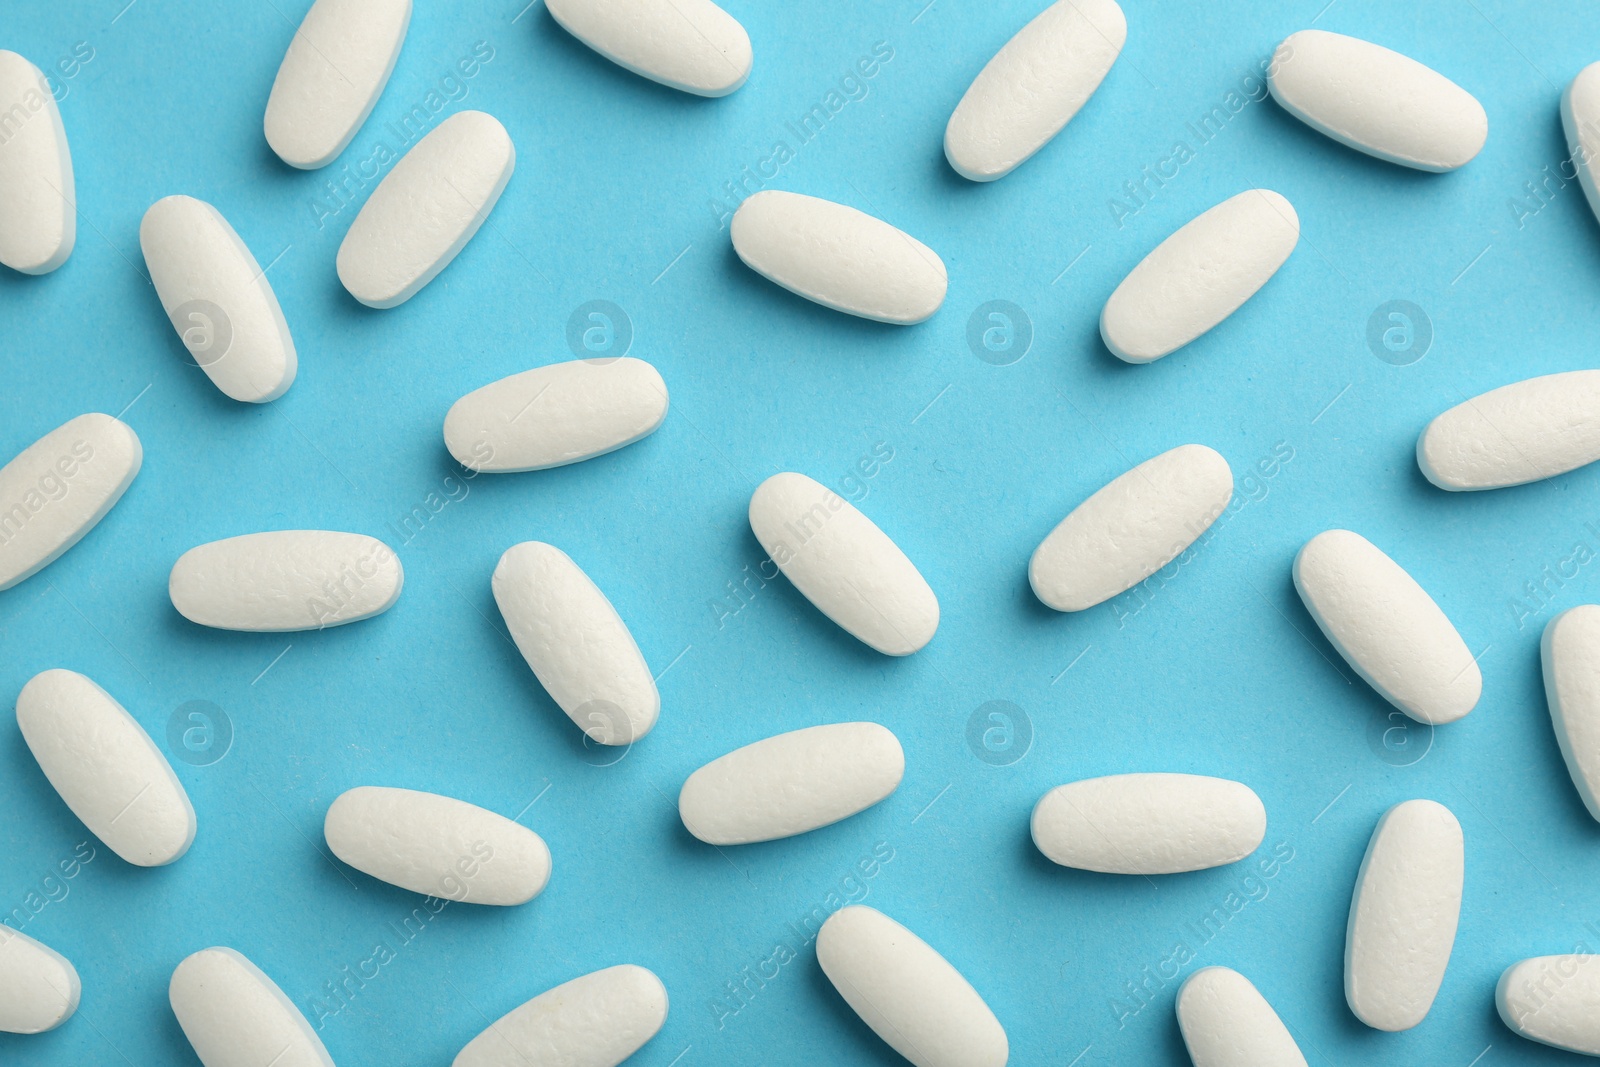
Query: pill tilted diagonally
{"x": 38, "y": 204}
{"x": 1570, "y": 650}
{"x": 39, "y": 988}
{"x": 1580, "y": 121}
{"x": 1226, "y": 1022}
{"x": 1149, "y": 823}
{"x": 1522, "y": 432}
{"x": 235, "y": 1016}
{"x": 596, "y": 1020}
{"x": 1554, "y": 1000}
{"x": 692, "y": 45}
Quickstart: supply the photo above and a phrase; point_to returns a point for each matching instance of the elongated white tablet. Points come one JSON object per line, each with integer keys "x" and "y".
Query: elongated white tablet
{"x": 844, "y": 564}
{"x": 1130, "y": 528}
{"x": 1033, "y": 87}
{"x": 1149, "y": 823}
{"x": 839, "y": 257}
{"x": 1554, "y": 1000}
{"x": 286, "y": 580}
{"x": 555, "y": 415}
{"x": 218, "y": 299}
{"x": 39, "y": 988}
{"x": 1377, "y": 101}
{"x": 235, "y": 1016}
{"x": 597, "y": 1020}
{"x": 791, "y": 783}
{"x": 1387, "y": 627}
{"x": 576, "y": 643}
{"x": 333, "y": 73}
{"x": 691, "y": 45}
{"x": 1518, "y": 433}
{"x": 422, "y": 215}
{"x": 1570, "y": 650}
{"x": 38, "y": 205}
{"x": 106, "y": 768}
{"x": 59, "y": 487}
{"x": 1580, "y": 120}
{"x": 909, "y": 994}
{"x": 1199, "y": 276}
{"x": 1226, "y": 1022}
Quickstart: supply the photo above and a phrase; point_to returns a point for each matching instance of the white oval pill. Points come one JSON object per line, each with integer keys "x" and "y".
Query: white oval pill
{"x": 332, "y": 74}
{"x": 555, "y": 415}
{"x": 1387, "y": 627}
{"x": 218, "y": 299}
{"x": 844, "y": 564}
{"x": 1580, "y": 120}
{"x": 691, "y": 45}
{"x": 1149, "y": 823}
{"x": 909, "y": 994}
{"x": 39, "y": 988}
{"x": 597, "y": 1020}
{"x": 106, "y": 768}
{"x": 576, "y": 643}
{"x": 1033, "y": 87}
{"x": 286, "y": 580}
{"x": 1199, "y": 276}
{"x": 422, "y": 215}
{"x": 235, "y": 1016}
{"x": 1403, "y": 915}
{"x": 1570, "y": 650}
{"x": 1130, "y": 528}
{"x": 1518, "y": 433}
{"x": 839, "y": 257}
{"x": 791, "y": 783}
{"x": 59, "y": 487}
{"x": 1554, "y": 1000}
{"x": 1377, "y": 101}
{"x": 1226, "y": 1022}
{"x": 38, "y": 205}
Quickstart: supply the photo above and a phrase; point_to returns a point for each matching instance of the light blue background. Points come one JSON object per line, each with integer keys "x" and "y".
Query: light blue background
{"x": 1221, "y": 672}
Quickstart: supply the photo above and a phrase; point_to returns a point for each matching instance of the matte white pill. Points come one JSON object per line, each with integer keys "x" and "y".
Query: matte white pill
{"x": 555, "y": 415}
{"x": 597, "y": 1020}
{"x": 59, "y": 487}
{"x": 1522, "y": 432}
{"x": 333, "y": 73}
{"x": 1387, "y": 627}
{"x": 1149, "y": 823}
{"x": 909, "y": 994}
{"x": 218, "y": 299}
{"x": 1377, "y": 101}
{"x": 791, "y": 783}
{"x": 235, "y": 1016}
{"x": 1580, "y": 120}
{"x": 1570, "y": 650}
{"x": 576, "y": 643}
{"x": 691, "y": 45}
{"x": 1554, "y": 1000}
{"x": 1033, "y": 87}
{"x": 844, "y": 564}
{"x": 839, "y": 257}
{"x": 39, "y": 988}
{"x": 1403, "y": 915}
{"x": 286, "y": 580}
{"x": 38, "y": 206}
{"x": 1226, "y": 1022}
{"x": 423, "y": 214}
{"x": 1199, "y": 276}
{"x": 106, "y": 768}
{"x": 1131, "y": 528}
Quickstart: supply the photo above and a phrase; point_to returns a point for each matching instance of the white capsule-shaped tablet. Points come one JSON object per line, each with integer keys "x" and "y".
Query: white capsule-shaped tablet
{"x": 555, "y": 415}
{"x": 422, "y": 215}
{"x": 59, "y": 487}
{"x": 791, "y": 783}
{"x": 909, "y": 994}
{"x": 597, "y": 1020}
{"x": 335, "y": 69}
{"x": 839, "y": 257}
{"x": 218, "y": 299}
{"x": 39, "y": 987}
{"x": 1377, "y": 101}
{"x": 1518, "y": 433}
{"x": 1570, "y": 650}
{"x": 1033, "y": 87}
{"x": 1199, "y": 276}
{"x": 1130, "y": 528}
{"x": 1387, "y": 627}
{"x": 1580, "y": 120}
{"x": 1554, "y": 1000}
{"x": 691, "y": 45}
{"x": 286, "y": 580}
{"x": 38, "y": 205}
{"x": 844, "y": 564}
{"x": 235, "y": 1016}
{"x": 576, "y": 643}
{"x": 1226, "y": 1022}
{"x": 1149, "y": 823}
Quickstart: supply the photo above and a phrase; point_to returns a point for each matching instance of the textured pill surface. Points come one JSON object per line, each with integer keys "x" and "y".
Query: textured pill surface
{"x": 1226, "y": 1022}
{"x": 38, "y": 207}
{"x": 235, "y": 1016}
{"x": 691, "y": 45}
{"x": 39, "y": 988}
{"x": 1570, "y": 650}
{"x": 1580, "y": 121}
{"x": 1518, "y": 433}
{"x": 597, "y": 1020}
{"x": 1554, "y": 1000}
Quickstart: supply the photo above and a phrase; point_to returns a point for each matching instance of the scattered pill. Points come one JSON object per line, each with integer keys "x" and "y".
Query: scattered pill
{"x": 692, "y": 45}
{"x": 1226, "y": 1022}
{"x": 1580, "y": 120}
{"x": 286, "y": 580}
{"x": 38, "y": 206}
{"x": 423, "y": 214}
{"x": 39, "y": 988}
{"x": 1518, "y": 433}
{"x": 844, "y": 564}
{"x": 1552, "y": 1000}
{"x": 597, "y": 1020}
{"x": 235, "y": 1016}
{"x": 839, "y": 257}
{"x": 1570, "y": 650}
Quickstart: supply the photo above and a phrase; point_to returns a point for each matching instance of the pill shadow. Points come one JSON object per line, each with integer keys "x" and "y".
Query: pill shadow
{"x": 1549, "y": 750}
{"x": 1291, "y": 134}
{"x": 153, "y": 322}
{"x": 49, "y": 814}
{"x": 866, "y": 1047}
